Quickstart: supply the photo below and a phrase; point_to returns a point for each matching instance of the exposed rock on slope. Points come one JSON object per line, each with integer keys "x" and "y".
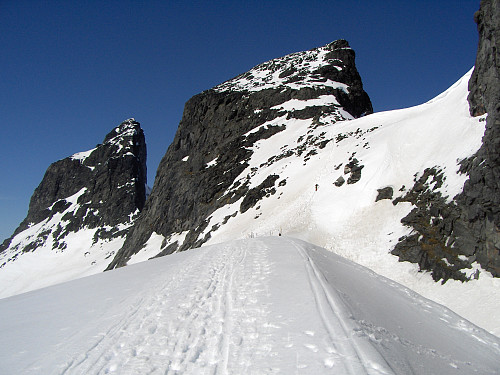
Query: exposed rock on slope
{"x": 218, "y": 128}
{"x": 84, "y": 206}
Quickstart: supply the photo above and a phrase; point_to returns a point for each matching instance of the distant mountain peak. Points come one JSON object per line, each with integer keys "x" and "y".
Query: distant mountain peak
{"x": 127, "y": 128}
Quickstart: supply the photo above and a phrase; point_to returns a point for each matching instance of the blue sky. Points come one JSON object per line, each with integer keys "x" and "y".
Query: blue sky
{"x": 72, "y": 70}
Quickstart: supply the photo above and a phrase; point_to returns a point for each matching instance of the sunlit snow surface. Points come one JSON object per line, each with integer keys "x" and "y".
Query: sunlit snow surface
{"x": 46, "y": 266}
{"x": 270, "y": 305}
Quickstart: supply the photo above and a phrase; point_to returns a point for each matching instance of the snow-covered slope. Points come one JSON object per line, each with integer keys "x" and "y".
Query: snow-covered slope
{"x": 391, "y": 148}
{"x": 326, "y": 176}
{"x": 270, "y": 305}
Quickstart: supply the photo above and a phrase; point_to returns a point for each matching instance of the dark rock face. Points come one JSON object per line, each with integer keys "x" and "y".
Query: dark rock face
{"x": 256, "y": 194}
{"x": 213, "y": 143}
{"x": 106, "y": 185}
{"x": 432, "y": 244}
{"x": 480, "y": 201}
{"x": 448, "y": 237}
{"x": 354, "y": 170}
{"x": 484, "y": 93}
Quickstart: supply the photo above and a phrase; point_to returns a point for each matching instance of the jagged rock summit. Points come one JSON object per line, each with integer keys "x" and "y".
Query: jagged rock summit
{"x": 324, "y": 69}
{"x": 80, "y": 212}
{"x": 204, "y": 168}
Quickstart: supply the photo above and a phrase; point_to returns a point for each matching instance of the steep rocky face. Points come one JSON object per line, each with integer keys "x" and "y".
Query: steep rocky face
{"x": 480, "y": 200}
{"x": 449, "y": 237}
{"x": 484, "y": 94}
{"x": 213, "y": 143}
{"x": 101, "y": 190}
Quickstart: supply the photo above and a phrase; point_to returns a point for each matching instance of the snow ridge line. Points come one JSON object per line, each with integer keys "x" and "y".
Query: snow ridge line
{"x": 361, "y": 356}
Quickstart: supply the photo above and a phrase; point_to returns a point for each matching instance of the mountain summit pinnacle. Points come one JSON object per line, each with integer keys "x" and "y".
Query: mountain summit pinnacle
{"x": 331, "y": 67}
{"x": 205, "y": 167}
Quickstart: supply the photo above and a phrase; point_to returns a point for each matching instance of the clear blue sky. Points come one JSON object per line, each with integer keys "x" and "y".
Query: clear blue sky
{"x": 72, "y": 70}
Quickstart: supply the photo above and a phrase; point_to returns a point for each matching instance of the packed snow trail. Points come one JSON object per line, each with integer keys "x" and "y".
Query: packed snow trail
{"x": 262, "y": 306}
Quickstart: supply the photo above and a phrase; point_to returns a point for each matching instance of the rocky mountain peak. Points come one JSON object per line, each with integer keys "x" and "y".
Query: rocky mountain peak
{"x": 125, "y": 130}
{"x": 330, "y": 68}
{"x": 100, "y": 192}
{"x": 300, "y": 69}
{"x": 219, "y": 129}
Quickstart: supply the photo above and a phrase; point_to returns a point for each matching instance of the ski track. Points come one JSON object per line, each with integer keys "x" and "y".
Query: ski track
{"x": 212, "y": 324}
{"x": 358, "y": 356}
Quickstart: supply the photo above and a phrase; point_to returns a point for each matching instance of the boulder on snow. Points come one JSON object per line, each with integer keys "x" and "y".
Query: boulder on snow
{"x": 384, "y": 193}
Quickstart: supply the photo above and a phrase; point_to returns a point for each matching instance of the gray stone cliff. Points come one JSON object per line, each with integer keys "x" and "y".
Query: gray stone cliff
{"x": 481, "y": 197}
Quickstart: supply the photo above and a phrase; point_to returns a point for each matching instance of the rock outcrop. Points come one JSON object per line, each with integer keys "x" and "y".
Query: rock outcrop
{"x": 213, "y": 143}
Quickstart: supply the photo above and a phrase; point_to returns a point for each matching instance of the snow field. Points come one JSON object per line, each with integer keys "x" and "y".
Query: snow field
{"x": 270, "y": 305}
